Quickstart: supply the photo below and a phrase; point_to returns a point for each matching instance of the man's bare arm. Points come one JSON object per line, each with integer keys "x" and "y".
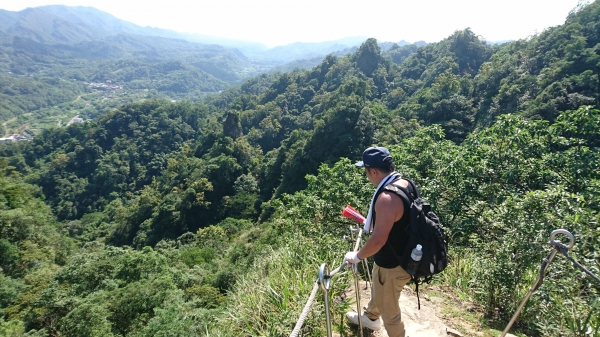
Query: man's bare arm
{"x": 389, "y": 208}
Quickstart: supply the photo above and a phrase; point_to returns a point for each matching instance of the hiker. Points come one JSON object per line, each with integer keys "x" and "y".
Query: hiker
{"x": 387, "y": 219}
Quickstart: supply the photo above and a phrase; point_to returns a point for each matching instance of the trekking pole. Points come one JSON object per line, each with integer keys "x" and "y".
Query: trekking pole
{"x": 538, "y": 282}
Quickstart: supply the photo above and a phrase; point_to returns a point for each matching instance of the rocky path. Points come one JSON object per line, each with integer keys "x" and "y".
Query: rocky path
{"x": 421, "y": 323}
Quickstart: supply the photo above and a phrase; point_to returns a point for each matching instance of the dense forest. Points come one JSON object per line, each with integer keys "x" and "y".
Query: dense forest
{"x": 211, "y": 216}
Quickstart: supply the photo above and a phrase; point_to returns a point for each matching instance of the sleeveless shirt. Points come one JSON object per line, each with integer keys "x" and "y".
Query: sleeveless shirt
{"x": 397, "y": 238}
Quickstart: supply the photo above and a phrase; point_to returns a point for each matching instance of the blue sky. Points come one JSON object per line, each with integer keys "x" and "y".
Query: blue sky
{"x": 281, "y": 22}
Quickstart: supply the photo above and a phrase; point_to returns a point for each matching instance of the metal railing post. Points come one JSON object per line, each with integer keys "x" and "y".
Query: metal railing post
{"x": 356, "y": 246}
{"x": 369, "y": 281}
{"x": 357, "y": 290}
{"x": 539, "y": 280}
{"x": 325, "y": 282}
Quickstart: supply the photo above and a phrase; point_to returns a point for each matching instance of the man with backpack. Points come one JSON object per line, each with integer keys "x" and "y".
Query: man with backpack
{"x": 388, "y": 218}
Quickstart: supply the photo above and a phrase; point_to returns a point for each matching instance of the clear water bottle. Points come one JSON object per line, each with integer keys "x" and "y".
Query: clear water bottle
{"x": 415, "y": 256}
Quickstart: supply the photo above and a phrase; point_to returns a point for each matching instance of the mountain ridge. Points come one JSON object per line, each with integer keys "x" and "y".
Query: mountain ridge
{"x": 82, "y": 43}
{"x": 89, "y": 24}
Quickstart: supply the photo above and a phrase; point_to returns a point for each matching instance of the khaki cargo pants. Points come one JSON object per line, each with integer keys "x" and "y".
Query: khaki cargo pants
{"x": 385, "y": 293}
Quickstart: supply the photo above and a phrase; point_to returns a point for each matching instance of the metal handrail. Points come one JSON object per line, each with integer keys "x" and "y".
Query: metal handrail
{"x": 324, "y": 282}
{"x": 538, "y": 282}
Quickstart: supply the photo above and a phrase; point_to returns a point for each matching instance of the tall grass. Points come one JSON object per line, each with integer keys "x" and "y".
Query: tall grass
{"x": 555, "y": 308}
{"x": 269, "y": 299}
{"x": 461, "y": 272}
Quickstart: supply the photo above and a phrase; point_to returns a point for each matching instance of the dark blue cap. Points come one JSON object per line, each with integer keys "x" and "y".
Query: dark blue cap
{"x": 376, "y": 157}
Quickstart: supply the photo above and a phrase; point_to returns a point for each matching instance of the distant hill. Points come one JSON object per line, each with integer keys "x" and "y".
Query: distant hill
{"x": 42, "y": 37}
{"x": 59, "y": 24}
{"x": 69, "y": 25}
{"x": 307, "y": 50}
{"x": 498, "y": 42}
{"x": 42, "y": 27}
{"x": 90, "y": 15}
{"x": 54, "y": 44}
{"x": 48, "y": 38}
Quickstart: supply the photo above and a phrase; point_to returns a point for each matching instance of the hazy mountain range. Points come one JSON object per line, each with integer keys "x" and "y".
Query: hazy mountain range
{"x": 48, "y": 52}
{"x": 77, "y": 26}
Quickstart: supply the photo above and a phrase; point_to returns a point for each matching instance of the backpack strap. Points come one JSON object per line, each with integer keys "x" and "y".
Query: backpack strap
{"x": 408, "y": 197}
{"x": 414, "y": 187}
{"x": 404, "y": 195}
{"x": 403, "y": 192}
{"x": 416, "y": 281}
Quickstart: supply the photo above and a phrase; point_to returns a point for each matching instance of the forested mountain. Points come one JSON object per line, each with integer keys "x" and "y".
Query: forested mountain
{"x": 64, "y": 25}
{"x": 58, "y": 24}
{"x": 65, "y": 46}
{"x": 211, "y": 217}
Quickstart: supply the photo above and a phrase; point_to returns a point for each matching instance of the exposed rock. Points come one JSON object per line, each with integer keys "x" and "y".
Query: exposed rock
{"x": 452, "y": 332}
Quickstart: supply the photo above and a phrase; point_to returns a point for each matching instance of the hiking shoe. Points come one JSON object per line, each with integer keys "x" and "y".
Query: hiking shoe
{"x": 366, "y": 321}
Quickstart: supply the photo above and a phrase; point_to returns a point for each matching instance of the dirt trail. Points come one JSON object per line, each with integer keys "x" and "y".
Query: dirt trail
{"x": 72, "y": 119}
{"x": 6, "y": 133}
{"x": 421, "y": 323}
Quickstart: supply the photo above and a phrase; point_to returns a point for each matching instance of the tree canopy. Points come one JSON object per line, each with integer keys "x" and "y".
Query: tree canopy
{"x": 160, "y": 217}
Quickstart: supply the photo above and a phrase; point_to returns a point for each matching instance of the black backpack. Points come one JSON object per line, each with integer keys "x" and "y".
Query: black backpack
{"x": 424, "y": 228}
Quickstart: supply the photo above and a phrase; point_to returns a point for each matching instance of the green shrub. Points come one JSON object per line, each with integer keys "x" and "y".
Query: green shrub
{"x": 87, "y": 319}
{"x": 197, "y": 256}
{"x": 205, "y": 296}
